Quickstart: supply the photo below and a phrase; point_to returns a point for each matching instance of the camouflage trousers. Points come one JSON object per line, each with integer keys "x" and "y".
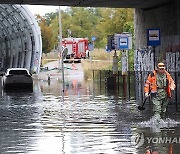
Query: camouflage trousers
{"x": 160, "y": 103}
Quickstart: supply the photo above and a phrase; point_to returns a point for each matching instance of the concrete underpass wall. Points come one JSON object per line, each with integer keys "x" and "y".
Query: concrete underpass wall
{"x": 167, "y": 18}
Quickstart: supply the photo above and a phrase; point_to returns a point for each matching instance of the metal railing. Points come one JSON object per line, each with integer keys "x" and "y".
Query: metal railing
{"x": 132, "y": 85}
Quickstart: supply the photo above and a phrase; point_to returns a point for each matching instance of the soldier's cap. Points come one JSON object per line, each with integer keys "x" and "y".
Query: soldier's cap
{"x": 161, "y": 65}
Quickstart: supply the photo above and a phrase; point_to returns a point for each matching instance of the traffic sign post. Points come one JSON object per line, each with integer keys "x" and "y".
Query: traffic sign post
{"x": 153, "y": 39}
{"x": 110, "y": 43}
{"x": 61, "y": 51}
{"x": 120, "y": 42}
{"x": 90, "y": 47}
{"x": 93, "y": 38}
{"x": 115, "y": 63}
{"x": 124, "y": 60}
{"x": 123, "y": 41}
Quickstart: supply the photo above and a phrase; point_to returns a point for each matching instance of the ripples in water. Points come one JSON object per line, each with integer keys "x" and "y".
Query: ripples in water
{"x": 81, "y": 122}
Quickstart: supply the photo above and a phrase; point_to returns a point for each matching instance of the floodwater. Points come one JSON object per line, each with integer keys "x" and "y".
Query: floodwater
{"x": 87, "y": 119}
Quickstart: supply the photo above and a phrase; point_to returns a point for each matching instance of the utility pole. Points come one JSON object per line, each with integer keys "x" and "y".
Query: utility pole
{"x": 60, "y": 49}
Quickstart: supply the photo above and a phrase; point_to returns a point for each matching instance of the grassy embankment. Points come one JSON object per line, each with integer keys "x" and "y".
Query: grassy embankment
{"x": 101, "y": 60}
{"x": 46, "y": 58}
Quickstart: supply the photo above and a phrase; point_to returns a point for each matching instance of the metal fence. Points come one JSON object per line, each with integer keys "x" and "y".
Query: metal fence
{"x": 132, "y": 85}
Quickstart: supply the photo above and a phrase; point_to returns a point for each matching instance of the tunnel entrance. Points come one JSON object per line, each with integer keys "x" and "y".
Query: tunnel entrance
{"x": 20, "y": 38}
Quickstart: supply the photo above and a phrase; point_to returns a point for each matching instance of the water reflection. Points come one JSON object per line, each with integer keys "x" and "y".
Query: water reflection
{"x": 88, "y": 119}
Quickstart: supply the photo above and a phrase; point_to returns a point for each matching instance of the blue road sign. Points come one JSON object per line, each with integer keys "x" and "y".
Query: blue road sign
{"x": 93, "y": 38}
{"x": 90, "y": 47}
{"x": 123, "y": 43}
{"x": 153, "y": 37}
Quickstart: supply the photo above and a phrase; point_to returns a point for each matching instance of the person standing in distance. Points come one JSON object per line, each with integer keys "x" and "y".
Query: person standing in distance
{"x": 159, "y": 85}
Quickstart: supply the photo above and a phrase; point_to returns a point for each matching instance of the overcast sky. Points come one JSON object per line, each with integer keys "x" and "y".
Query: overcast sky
{"x": 43, "y": 9}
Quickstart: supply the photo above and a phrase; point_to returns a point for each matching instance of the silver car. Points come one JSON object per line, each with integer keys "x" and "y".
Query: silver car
{"x": 17, "y": 78}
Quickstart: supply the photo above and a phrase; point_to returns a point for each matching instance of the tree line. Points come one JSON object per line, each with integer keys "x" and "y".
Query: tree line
{"x": 85, "y": 22}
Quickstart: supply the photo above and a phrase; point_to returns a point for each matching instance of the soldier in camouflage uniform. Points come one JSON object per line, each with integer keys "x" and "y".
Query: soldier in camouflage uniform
{"x": 159, "y": 84}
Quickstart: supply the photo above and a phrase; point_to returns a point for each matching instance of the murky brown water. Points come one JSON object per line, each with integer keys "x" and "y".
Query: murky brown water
{"x": 86, "y": 120}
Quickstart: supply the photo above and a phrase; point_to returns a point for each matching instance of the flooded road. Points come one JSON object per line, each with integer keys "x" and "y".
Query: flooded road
{"x": 86, "y": 120}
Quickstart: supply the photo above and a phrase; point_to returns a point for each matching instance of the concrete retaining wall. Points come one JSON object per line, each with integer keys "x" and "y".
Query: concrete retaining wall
{"x": 167, "y": 18}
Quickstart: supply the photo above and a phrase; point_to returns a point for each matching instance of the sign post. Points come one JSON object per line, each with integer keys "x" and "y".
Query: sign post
{"x": 123, "y": 42}
{"x": 93, "y": 38}
{"x": 124, "y": 61}
{"x": 108, "y": 50}
{"x": 120, "y": 42}
{"x": 61, "y": 51}
{"x": 110, "y": 43}
{"x": 153, "y": 39}
{"x": 153, "y": 36}
{"x": 115, "y": 63}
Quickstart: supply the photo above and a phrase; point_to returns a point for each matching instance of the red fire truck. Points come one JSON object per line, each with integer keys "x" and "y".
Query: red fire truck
{"x": 77, "y": 47}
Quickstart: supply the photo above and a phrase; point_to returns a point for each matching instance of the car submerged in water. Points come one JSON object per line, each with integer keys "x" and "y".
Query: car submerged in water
{"x": 17, "y": 78}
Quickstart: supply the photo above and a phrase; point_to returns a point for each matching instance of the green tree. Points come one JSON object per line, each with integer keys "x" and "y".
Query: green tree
{"x": 46, "y": 33}
{"x": 80, "y": 24}
{"x": 113, "y": 20}
{"x": 86, "y": 22}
